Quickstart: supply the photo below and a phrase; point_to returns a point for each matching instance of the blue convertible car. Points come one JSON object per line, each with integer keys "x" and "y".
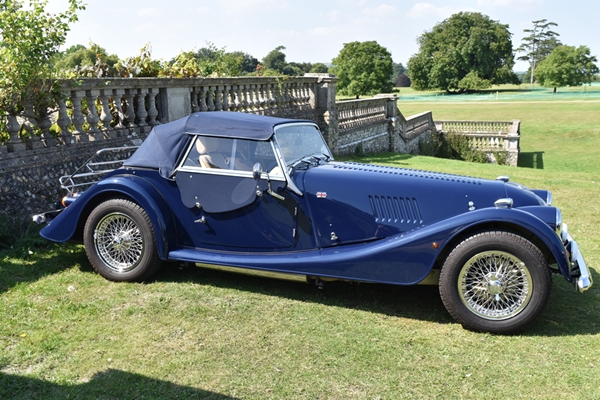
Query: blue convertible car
{"x": 263, "y": 194}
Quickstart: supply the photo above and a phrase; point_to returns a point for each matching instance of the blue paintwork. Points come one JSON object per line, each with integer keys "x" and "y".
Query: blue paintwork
{"x": 385, "y": 221}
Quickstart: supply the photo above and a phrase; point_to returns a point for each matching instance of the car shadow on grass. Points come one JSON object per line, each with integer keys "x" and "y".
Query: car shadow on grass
{"x": 24, "y": 265}
{"x": 109, "y": 384}
{"x": 568, "y": 313}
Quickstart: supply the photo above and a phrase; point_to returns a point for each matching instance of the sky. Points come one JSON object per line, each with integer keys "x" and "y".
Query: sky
{"x": 310, "y": 30}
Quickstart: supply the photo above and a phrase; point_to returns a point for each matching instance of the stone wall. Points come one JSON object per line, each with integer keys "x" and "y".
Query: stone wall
{"x": 29, "y": 181}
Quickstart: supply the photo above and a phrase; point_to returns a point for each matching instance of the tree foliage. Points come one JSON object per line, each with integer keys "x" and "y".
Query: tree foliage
{"x": 363, "y": 68}
{"x": 538, "y": 44}
{"x": 567, "y": 66}
{"x": 92, "y": 61}
{"x": 465, "y": 52}
{"x": 29, "y": 38}
{"x": 275, "y": 59}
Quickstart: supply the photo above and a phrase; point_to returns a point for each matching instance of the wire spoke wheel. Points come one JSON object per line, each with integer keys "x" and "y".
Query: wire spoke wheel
{"x": 495, "y": 281}
{"x": 119, "y": 242}
{"x": 495, "y": 285}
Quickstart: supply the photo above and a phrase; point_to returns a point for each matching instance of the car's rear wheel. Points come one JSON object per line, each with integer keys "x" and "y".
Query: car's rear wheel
{"x": 120, "y": 242}
{"x": 495, "y": 282}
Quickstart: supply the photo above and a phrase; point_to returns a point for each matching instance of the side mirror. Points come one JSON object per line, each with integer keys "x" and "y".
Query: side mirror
{"x": 257, "y": 170}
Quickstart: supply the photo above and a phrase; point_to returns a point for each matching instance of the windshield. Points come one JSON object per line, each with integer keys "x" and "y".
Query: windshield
{"x": 298, "y": 142}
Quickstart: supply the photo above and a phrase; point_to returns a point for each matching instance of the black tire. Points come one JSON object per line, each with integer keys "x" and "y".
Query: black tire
{"x": 481, "y": 293}
{"x": 120, "y": 242}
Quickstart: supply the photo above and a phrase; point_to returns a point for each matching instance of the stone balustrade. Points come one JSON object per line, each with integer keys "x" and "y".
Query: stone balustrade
{"x": 360, "y": 113}
{"x": 99, "y": 109}
{"x": 487, "y": 136}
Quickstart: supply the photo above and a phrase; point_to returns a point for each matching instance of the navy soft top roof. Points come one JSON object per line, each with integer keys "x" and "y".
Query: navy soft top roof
{"x": 165, "y": 143}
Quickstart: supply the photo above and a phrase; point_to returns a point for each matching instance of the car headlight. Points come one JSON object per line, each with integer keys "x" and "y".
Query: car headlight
{"x": 559, "y": 221}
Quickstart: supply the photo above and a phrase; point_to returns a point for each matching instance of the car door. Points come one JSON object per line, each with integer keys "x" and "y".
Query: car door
{"x": 224, "y": 206}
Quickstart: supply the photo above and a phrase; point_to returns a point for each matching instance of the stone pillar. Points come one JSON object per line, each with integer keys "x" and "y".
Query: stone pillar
{"x": 511, "y": 144}
{"x": 325, "y": 109}
{"x": 179, "y": 102}
{"x": 394, "y": 124}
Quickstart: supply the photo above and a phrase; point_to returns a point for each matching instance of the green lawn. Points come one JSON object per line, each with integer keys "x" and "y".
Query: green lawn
{"x": 192, "y": 333}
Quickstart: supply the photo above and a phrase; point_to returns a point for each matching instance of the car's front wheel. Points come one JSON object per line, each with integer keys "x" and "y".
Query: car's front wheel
{"x": 120, "y": 242}
{"x": 495, "y": 282}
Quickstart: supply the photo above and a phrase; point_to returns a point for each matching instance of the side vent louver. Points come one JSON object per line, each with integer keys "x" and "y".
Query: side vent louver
{"x": 395, "y": 210}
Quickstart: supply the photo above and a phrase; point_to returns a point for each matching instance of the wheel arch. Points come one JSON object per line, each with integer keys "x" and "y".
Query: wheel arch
{"x": 133, "y": 189}
{"x": 520, "y": 223}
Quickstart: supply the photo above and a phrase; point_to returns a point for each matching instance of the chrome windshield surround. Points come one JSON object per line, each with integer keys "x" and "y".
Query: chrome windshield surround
{"x": 281, "y": 159}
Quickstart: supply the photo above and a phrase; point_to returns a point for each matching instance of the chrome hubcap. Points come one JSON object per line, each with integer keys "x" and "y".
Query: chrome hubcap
{"x": 119, "y": 242}
{"x": 495, "y": 285}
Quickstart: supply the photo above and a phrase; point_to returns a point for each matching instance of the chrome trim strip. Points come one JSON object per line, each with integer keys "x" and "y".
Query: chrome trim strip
{"x": 255, "y": 272}
{"x": 228, "y": 172}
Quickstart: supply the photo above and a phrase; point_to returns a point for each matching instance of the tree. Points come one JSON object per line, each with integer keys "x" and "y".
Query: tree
{"x": 83, "y": 61}
{"x": 363, "y": 68}
{"x": 466, "y": 45}
{"x": 538, "y": 45}
{"x": 275, "y": 60}
{"x": 249, "y": 63}
{"x": 567, "y": 66}
{"x": 29, "y": 39}
{"x": 319, "y": 68}
{"x": 397, "y": 71}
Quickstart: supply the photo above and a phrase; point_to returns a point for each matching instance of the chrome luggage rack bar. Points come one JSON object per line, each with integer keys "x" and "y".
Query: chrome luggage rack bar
{"x": 91, "y": 172}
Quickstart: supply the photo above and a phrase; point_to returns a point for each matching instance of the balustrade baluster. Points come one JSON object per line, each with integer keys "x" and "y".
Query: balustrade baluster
{"x": 130, "y": 111}
{"x": 195, "y": 107}
{"x": 141, "y": 113}
{"x": 218, "y": 101}
{"x": 117, "y": 99}
{"x": 13, "y": 127}
{"x": 152, "y": 111}
{"x": 261, "y": 98}
{"x": 30, "y": 125}
{"x": 45, "y": 125}
{"x": 244, "y": 98}
{"x": 250, "y": 98}
{"x": 78, "y": 118}
{"x": 272, "y": 94}
{"x": 105, "y": 115}
{"x": 92, "y": 116}
{"x": 203, "y": 106}
{"x": 63, "y": 121}
{"x": 210, "y": 98}
{"x": 226, "y": 96}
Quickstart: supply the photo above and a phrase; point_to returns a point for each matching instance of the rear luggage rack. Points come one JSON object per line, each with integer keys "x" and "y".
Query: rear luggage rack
{"x": 95, "y": 168}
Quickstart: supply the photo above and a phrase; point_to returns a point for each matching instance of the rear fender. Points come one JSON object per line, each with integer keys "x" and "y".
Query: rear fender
{"x": 65, "y": 226}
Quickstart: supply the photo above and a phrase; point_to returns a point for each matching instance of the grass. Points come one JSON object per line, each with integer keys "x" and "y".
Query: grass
{"x": 192, "y": 333}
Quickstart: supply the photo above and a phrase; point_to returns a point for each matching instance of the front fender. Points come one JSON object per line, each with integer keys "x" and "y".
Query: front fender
{"x": 518, "y": 218}
{"x": 65, "y": 225}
